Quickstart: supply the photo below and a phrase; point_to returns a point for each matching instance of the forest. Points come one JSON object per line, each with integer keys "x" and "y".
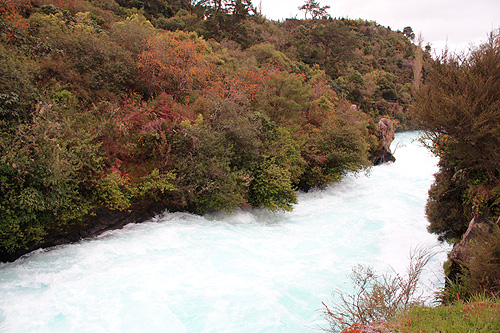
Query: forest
{"x": 125, "y": 106}
{"x": 112, "y": 107}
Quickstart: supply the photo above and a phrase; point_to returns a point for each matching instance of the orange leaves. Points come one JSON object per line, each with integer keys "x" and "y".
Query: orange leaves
{"x": 240, "y": 87}
{"x": 176, "y": 63}
{"x": 10, "y": 11}
{"x": 245, "y": 85}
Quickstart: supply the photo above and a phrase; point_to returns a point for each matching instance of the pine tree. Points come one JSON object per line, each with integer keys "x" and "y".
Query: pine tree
{"x": 314, "y": 9}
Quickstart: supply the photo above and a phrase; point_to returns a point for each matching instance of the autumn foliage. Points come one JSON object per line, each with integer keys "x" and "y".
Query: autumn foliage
{"x": 12, "y": 13}
{"x": 103, "y": 110}
{"x": 12, "y": 10}
{"x": 176, "y": 63}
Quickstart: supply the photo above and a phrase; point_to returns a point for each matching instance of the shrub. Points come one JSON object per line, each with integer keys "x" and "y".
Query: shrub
{"x": 445, "y": 209}
{"x": 202, "y": 158}
{"x": 458, "y": 108}
{"x": 272, "y": 188}
{"x": 377, "y": 298}
{"x": 18, "y": 91}
{"x": 481, "y": 272}
{"x": 176, "y": 63}
{"x": 47, "y": 174}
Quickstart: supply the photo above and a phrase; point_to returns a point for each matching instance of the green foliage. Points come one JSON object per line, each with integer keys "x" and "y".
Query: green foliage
{"x": 156, "y": 184}
{"x": 286, "y": 99}
{"x": 339, "y": 146}
{"x": 346, "y": 49}
{"x": 345, "y": 148}
{"x": 14, "y": 237}
{"x": 104, "y": 64}
{"x": 47, "y": 168}
{"x": 203, "y": 158}
{"x": 132, "y": 33}
{"x": 103, "y": 109}
{"x": 445, "y": 209}
{"x": 18, "y": 92}
{"x": 458, "y": 107}
{"x": 240, "y": 128}
{"x": 225, "y": 19}
{"x": 155, "y": 8}
{"x": 272, "y": 188}
{"x": 113, "y": 191}
{"x": 481, "y": 268}
{"x": 183, "y": 20}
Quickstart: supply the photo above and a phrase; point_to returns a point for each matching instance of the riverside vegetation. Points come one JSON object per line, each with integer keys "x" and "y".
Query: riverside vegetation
{"x": 109, "y": 107}
{"x": 112, "y": 107}
{"x": 458, "y": 107}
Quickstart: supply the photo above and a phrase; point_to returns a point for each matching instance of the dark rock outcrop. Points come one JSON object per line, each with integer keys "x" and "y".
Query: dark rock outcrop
{"x": 104, "y": 220}
{"x": 381, "y": 157}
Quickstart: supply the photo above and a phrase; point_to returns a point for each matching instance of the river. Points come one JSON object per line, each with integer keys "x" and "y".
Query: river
{"x": 249, "y": 271}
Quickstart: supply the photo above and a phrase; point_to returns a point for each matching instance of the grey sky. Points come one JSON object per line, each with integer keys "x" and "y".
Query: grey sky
{"x": 456, "y": 23}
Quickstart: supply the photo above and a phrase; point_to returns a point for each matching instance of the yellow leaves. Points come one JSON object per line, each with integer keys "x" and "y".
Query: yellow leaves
{"x": 186, "y": 123}
{"x": 139, "y": 19}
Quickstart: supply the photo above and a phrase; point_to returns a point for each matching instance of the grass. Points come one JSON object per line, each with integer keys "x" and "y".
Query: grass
{"x": 478, "y": 315}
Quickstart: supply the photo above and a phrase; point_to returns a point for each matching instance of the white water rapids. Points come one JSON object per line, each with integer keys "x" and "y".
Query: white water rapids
{"x": 250, "y": 271}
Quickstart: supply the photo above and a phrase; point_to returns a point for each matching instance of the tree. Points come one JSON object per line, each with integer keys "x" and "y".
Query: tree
{"x": 314, "y": 9}
{"x": 203, "y": 157}
{"x": 176, "y": 62}
{"x": 459, "y": 108}
{"x": 329, "y": 45}
{"x": 286, "y": 99}
{"x": 224, "y": 19}
{"x": 156, "y": 8}
{"x": 132, "y": 33}
{"x": 408, "y": 32}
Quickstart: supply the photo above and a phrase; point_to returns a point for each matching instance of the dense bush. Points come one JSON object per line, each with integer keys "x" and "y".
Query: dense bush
{"x": 458, "y": 106}
{"x": 459, "y": 109}
{"x": 103, "y": 109}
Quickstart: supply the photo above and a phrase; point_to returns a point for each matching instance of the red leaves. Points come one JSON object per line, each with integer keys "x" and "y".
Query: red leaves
{"x": 240, "y": 87}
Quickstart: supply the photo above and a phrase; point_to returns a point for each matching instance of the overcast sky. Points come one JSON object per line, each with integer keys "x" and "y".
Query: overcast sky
{"x": 456, "y": 23}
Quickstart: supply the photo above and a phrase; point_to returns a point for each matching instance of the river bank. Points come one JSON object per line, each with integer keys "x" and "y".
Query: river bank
{"x": 252, "y": 270}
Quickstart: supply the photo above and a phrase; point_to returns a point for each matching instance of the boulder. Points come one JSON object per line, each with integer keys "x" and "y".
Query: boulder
{"x": 460, "y": 254}
{"x": 385, "y": 134}
{"x": 478, "y": 226}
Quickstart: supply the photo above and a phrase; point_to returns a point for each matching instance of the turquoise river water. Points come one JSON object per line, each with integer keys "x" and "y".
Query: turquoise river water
{"x": 249, "y": 271}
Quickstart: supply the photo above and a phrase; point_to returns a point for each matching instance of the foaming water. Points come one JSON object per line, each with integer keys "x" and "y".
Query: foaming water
{"x": 250, "y": 271}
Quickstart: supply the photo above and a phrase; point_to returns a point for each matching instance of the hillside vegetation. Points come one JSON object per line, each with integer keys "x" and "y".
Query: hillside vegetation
{"x": 110, "y": 106}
